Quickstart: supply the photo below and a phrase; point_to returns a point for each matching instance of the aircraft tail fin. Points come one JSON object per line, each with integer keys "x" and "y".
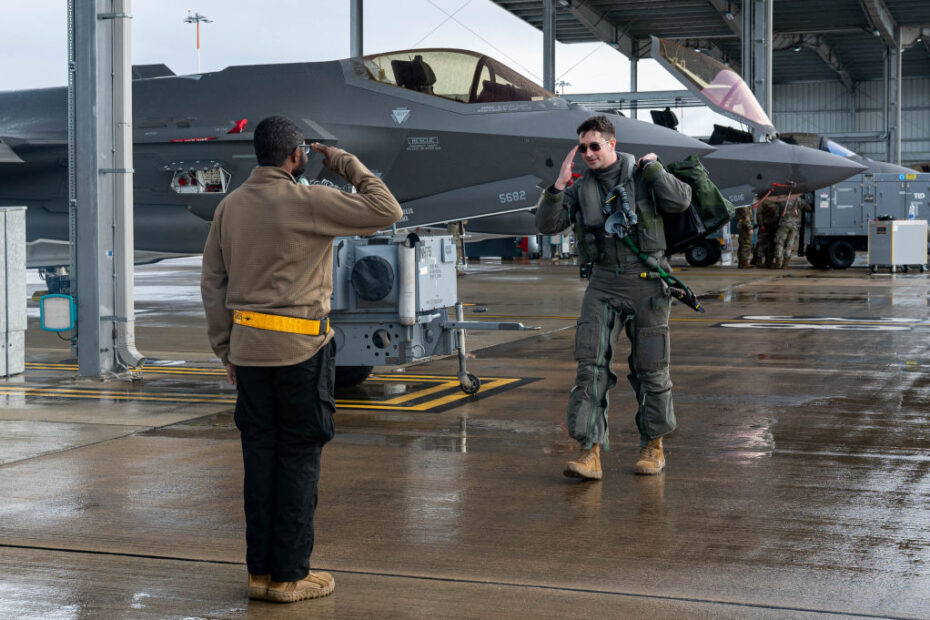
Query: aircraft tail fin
{"x": 8, "y": 155}
{"x": 142, "y": 72}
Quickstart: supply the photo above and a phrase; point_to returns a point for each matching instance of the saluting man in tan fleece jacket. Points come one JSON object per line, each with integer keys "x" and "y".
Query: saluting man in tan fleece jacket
{"x": 266, "y": 286}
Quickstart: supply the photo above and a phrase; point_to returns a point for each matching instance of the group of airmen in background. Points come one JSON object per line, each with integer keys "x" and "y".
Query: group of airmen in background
{"x": 776, "y": 219}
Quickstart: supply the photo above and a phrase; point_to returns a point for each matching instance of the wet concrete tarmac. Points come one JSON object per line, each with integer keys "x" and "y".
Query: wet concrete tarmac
{"x": 797, "y": 484}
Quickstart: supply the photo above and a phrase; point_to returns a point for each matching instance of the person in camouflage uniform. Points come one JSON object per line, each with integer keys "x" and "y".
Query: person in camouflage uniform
{"x": 745, "y": 223}
{"x": 768, "y": 215}
{"x": 787, "y": 234}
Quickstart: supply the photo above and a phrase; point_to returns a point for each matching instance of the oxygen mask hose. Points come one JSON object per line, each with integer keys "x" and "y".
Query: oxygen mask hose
{"x": 678, "y": 289}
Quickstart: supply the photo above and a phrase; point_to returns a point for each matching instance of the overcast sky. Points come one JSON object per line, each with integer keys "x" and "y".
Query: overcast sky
{"x": 33, "y": 41}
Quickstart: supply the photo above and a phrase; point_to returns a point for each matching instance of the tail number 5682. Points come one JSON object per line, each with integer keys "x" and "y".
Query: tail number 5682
{"x": 512, "y": 196}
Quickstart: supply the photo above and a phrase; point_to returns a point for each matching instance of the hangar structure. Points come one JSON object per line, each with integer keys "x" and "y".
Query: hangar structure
{"x": 857, "y": 71}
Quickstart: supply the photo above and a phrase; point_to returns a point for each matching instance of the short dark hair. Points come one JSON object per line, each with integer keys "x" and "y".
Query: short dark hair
{"x": 600, "y": 123}
{"x": 275, "y": 138}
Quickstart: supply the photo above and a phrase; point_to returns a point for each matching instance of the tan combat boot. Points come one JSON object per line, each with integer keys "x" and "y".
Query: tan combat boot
{"x": 786, "y": 263}
{"x": 314, "y": 585}
{"x": 651, "y": 458}
{"x": 746, "y": 265}
{"x": 258, "y": 586}
{"x": 587, "y": 466}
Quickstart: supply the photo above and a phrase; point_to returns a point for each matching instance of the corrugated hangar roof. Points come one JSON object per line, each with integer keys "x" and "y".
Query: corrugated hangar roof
{"x": 812, "y": 39}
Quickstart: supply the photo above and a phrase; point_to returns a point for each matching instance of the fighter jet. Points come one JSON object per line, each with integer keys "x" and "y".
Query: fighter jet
{"x": 823, "y": 143}
{"x": 455, "y": 134}
{"x": 740, "y": 167}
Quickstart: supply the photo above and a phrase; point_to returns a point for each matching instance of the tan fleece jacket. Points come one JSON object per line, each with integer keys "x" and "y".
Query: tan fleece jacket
{"x": 270, "y": 249}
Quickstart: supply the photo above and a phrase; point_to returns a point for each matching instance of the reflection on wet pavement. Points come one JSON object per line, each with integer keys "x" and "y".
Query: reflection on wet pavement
{"x": 797, "y": 483}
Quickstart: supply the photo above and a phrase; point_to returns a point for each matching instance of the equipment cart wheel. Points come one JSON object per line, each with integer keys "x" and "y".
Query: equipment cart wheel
{"x": 874, "y": 268}
{"x": 840, "y": 254}
{"x": 703, "y": 253}
{"x": 471, "y": 384}
{"x": 892, "y": 269}
{"x": 923, "y": 268}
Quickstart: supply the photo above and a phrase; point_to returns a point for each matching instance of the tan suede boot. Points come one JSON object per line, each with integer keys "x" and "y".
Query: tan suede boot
{"x": 314, "y": 585}
{"x": 786, "y": 263}
{"x": 651, "y": 458}
{"x": 258, "y": 586}
{"x": 746, "y": 265}
{"x": 587, "y": 466}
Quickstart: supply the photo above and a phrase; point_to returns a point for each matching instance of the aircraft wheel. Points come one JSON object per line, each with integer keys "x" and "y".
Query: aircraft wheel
{"x": 347, "y": 376}
{"x": 471, "y": 385}
{"x": 703, "y": 254}
{"x": 840, "y": 254}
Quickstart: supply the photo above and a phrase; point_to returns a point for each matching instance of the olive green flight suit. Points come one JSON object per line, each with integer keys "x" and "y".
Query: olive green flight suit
{"x": 617, "y": 298}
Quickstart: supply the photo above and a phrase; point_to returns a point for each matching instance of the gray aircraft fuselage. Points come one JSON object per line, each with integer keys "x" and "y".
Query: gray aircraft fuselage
{"x": 443, "y": 159}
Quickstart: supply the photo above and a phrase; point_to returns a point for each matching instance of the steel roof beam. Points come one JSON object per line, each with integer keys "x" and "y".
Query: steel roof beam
{"x": 823, "y": 49}
{"x": 602, "y": 27}
{"x": 880, "y": 18}
{"x": 912, "y": 35}
{"x": 729, "y": 16}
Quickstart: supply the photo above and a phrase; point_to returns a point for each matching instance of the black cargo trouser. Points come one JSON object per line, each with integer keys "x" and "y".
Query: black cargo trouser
{"x": 611, "y": 303}
{"x": 284, "y": 415}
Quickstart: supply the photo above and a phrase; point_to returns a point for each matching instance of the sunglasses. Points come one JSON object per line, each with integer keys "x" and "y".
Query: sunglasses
{"x": 304, "y": 147}
{"x": 594, "y": 146}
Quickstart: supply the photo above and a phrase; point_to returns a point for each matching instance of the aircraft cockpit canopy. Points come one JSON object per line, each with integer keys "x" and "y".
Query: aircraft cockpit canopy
{"x": 718, "y": 85}
{"x": 819, "y": 142}
{"x": 838, "y": 149}
{"x": 460, "y": 75}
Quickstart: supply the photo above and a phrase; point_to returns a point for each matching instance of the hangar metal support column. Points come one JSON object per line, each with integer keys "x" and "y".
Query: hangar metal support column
{"x": 893, "y": 98}
{"x": 100, "y": 171}
{"x": 549, "y": 46}
{"x": 757, "y": 50}
{"x": 634, "y": 86}
{"x": 356, "y": 28}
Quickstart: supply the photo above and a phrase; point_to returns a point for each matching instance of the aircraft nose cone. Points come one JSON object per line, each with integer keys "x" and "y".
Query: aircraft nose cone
{"x": 814, "y": 169}
{"x": 762, "y": 164}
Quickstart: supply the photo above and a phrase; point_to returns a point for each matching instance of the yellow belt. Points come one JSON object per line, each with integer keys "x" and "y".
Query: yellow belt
{"x": 277, "y": 323}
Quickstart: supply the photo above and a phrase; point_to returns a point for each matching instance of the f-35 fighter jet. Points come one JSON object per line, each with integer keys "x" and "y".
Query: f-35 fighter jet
{"x": 454, "y": 134}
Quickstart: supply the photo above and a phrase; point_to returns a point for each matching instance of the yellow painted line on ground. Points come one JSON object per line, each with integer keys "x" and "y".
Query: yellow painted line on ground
{"x": 394, "y": 404}
{"x": 404, "y": 398}
{"x": 160, "y": 370}
{"x": 99, "y": 395}
{"x": 426, "y": 406}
